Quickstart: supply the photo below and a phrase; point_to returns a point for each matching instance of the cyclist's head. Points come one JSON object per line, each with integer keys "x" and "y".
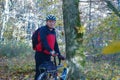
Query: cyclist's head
{"x": 51, "y": 17}
{"x": 50, "y": 21}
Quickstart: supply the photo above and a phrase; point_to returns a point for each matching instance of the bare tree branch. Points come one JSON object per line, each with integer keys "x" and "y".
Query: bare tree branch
{"x": 112, "y": 7}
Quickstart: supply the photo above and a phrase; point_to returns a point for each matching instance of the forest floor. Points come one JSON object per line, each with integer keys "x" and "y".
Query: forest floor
{"x": 24, "y": 69}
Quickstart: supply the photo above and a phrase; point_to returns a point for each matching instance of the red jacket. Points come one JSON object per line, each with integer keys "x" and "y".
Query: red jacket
{"x": 47, "y": 41}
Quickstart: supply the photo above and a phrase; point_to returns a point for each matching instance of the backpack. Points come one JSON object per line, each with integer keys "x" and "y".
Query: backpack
{"x": 36, "y": 42}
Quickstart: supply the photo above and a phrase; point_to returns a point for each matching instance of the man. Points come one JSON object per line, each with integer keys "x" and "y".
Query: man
{"x": 49, "y": 46}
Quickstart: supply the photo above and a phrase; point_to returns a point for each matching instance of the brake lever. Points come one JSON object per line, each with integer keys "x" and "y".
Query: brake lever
{"x": 59, "y": 61}
{"x": 55, "y": 61}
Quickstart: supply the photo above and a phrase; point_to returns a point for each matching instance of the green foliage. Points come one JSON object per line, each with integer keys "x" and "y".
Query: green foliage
{"x": 81, "y": 56}
{"x": 101, "y": 70}
{"x": 96, "y": 68}
{"x": 14, "y": 48}
{"x": 17, "y": 68}
{"x": 20, "y": 65}
{"x": 110, "y": 27}
{"x": 8, "y": 33}
{"x": 108, "y": 30}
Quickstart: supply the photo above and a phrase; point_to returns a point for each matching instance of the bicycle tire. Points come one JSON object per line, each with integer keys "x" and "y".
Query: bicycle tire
{"x": 42, "y": 76}
{"x": 55, "y": 77}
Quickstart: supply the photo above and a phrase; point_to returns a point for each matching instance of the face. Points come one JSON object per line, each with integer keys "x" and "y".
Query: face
{"x": 51, "y": 23}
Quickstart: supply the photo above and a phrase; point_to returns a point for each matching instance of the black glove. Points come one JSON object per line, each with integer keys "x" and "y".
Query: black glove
{"x": 61, "y": 57}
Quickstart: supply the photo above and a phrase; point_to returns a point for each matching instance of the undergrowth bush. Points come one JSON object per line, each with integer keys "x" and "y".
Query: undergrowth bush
{"x": 14, "y": 48}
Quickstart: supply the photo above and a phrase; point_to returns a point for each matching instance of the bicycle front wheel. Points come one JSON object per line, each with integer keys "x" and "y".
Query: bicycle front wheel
{"x": 42, "y": 76}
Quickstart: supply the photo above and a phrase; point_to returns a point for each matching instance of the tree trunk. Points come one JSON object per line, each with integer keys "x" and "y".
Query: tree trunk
{"x": 73, "y": 38}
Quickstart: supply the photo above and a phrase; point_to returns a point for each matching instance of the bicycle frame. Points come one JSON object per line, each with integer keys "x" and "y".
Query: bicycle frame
{"x": 53, "y": 73}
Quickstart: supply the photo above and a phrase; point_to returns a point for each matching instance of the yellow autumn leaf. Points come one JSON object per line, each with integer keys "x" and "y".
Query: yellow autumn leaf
{"x": 65, "y": 64}
{"x": 116, "y": 77}
{"x": 81, "y": 29}
{"x": 113, "y": 47}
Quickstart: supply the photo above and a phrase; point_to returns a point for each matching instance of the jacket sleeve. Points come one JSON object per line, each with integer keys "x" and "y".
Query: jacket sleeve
{"x": 56, "y": 48}
{"x": 44, "y": 40}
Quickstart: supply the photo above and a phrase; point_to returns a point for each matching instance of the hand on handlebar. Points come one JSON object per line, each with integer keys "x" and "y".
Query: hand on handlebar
{"x": 61, "y": 57}
{"x": 53, "y": 53}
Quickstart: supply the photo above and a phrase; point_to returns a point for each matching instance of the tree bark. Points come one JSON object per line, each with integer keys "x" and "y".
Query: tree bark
{"x": 71, "y": 20}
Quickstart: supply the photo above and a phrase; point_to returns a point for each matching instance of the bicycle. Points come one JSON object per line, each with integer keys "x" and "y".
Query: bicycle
{"x": 50, "y": 71}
